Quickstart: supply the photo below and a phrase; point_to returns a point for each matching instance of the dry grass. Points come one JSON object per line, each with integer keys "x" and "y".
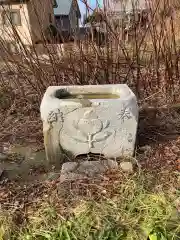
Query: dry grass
{"x": 119, "y": 207}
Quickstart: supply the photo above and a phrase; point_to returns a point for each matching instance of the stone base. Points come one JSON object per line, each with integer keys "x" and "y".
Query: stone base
{"x": 72, "y": 171}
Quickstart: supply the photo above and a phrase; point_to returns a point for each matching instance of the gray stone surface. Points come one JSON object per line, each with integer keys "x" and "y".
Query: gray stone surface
{"x": 3, "y": 157}
{"x": 88, "y": 169}
{"x": 126, "y": 166}
{"x": 103, "y": 124}
{"x": 21, "y": 162}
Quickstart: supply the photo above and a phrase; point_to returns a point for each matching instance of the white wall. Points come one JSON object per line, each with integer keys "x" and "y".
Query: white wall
{"x": 126, "y": 5}
{"x": 33, "y": 23}
{"x": 10, "y": 34}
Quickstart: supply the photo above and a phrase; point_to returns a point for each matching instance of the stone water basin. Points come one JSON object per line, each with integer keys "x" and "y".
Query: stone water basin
{"x": 99, "y": 119}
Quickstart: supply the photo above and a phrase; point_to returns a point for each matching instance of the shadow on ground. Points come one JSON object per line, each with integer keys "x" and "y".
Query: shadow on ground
{"x": 158, "y": 141}
{"x": 158, "y": 126}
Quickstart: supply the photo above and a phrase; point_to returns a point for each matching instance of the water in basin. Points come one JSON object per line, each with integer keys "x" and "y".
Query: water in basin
{"x": 67, "y": 95}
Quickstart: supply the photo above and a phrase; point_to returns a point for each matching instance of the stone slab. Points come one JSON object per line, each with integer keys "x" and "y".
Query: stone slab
{"x": 3, "y": 157}
{"x": 99, "y": 119}
{"x": 72, "y": 171}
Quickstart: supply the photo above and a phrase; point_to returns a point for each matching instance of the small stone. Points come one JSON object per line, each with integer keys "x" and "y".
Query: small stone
{"x": 3, "y": 157}
{"x": 68, "y": 167}
{"x": 104, "y": 192}
{"x": 126, "y": 166}
{"x": 145, "y": 148}
{"x": 72, "y": 177}
{"x": 88, "y": 169}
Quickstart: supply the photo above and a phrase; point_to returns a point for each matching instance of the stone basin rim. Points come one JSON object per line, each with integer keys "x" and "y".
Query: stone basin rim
{"x": 87, "y": 95}
{"x": 118, "y": 91}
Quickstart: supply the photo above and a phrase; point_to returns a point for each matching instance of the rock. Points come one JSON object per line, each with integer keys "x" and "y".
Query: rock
{"x": 102, "y": 121}
{"x": 104, "y": 192}
{"x": 69, "y": 167}
{"x": 126, "y": 166}
{"x": 88, "y": 169}
{"x": 21, "y": 150}
{"x": 145, "y": 150}
{"x": 72, "y": 177}
{"x": 35, "y": 160}
{"x": 12, "y": 171}
{"x": 3, "y": 157}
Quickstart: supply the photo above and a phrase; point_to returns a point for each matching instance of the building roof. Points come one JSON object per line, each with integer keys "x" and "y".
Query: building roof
{"x": 63, "y": 8}
{"x": 127, "y": 6}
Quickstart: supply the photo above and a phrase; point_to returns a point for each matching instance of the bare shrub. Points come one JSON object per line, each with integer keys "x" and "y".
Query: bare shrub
{"x": 142, "y": 53}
